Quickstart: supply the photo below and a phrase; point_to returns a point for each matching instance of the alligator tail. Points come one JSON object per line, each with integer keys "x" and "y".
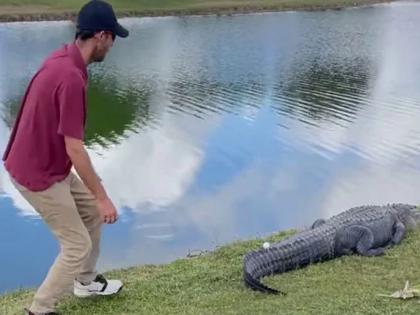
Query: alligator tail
{"x": 292, "y": 253}
{"x": 256, "y": 285}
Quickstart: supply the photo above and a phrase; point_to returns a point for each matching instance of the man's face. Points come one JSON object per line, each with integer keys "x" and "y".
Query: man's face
{"x": 104, "y": 42}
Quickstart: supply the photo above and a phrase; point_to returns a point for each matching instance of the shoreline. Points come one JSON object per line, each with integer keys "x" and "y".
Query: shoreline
{"x": 41, "y": 13}
{"x": 212, "y": 283}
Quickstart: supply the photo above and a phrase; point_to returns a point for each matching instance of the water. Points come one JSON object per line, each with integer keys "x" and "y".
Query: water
{"x": 212, "y": 129}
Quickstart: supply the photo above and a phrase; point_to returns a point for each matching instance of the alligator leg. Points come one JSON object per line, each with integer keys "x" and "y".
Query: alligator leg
{"x": 371, "y": 251}
{"x": 365, "y": 243}
{"x": 357, "y": 237}
{"x": 347, "y": 251}
{"x": 317, "y": 223}
{"x": 399, "y": 231}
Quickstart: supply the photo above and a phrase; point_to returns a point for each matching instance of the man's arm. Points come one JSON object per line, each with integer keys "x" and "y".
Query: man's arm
{"x": 80, "y": 158}
{"x": 78, "y": 155}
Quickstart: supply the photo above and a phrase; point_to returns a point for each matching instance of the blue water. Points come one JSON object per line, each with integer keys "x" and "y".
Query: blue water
{"x": 212, "y": 129}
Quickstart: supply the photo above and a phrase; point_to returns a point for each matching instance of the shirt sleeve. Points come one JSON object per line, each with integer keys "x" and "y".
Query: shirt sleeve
{"x": 71, "y": 107}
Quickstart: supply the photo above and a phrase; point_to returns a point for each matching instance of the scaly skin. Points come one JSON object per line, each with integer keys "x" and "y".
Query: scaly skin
{"x": 366, "y": 230}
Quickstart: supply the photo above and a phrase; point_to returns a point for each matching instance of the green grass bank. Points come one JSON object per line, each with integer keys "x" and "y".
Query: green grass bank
{"x": 212, "y": 284}
{"x": 35, "y": 10}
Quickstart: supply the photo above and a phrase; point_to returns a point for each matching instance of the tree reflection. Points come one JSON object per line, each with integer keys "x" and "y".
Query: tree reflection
{"x": 323, "y": 91}
{"x": 111, "y": 111}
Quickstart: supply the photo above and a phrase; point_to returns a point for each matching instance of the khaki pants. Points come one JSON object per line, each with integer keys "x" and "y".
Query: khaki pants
{"x": 69, "y": 210}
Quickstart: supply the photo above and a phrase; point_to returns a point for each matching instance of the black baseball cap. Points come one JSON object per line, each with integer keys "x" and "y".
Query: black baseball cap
{"x": 97, "y": 15}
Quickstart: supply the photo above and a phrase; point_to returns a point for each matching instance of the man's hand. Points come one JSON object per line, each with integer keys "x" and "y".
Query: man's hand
{"x": 107, "y": 211}
{"x": 78, "y": 155}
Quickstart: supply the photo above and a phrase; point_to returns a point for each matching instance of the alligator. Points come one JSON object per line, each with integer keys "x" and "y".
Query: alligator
{"x": 364, "y": 230}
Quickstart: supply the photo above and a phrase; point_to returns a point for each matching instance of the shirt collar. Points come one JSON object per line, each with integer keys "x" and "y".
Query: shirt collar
{"x": 76, "y": 57}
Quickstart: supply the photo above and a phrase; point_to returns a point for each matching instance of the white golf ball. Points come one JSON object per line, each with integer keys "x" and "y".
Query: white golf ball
{"x": 266, "y": 245}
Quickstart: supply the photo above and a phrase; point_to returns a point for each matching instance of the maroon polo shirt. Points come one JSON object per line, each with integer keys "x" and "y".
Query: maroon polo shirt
{"x": 54, "y": 106}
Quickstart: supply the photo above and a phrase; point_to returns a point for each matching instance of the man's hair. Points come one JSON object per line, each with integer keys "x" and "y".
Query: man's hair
{"x": 84, "y": 35}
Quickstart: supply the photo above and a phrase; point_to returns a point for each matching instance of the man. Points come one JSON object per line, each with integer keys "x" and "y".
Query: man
{"x": 46, "y": 141}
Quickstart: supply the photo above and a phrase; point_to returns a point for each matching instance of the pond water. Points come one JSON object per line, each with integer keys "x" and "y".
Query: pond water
{"x": 211, "y": 129}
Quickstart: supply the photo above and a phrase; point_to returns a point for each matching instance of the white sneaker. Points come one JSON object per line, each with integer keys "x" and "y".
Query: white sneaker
{"x": 99, "y": 286}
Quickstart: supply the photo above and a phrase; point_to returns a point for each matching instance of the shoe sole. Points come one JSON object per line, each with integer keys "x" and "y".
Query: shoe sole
{"x": 89, "y": 294}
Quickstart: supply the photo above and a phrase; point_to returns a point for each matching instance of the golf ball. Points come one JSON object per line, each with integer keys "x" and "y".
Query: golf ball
{"x": 266, "y": 245}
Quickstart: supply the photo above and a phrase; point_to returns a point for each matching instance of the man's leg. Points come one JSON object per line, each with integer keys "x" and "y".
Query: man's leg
{"x": 88, "y": 282}
{"x": 86, "y": 206}
{"x": 58, "y": 209}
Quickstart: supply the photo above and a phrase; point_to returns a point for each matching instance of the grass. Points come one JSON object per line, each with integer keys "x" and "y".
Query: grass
{"x": 14, "y": 10}
{"x": 212, "y": 284}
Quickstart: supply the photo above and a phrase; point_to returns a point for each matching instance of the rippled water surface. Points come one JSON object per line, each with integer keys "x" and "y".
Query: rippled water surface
{"x": 212, "y": 129}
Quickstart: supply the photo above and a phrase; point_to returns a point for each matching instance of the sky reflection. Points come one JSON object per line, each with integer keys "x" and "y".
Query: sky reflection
{"x": 207, "y": 130}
